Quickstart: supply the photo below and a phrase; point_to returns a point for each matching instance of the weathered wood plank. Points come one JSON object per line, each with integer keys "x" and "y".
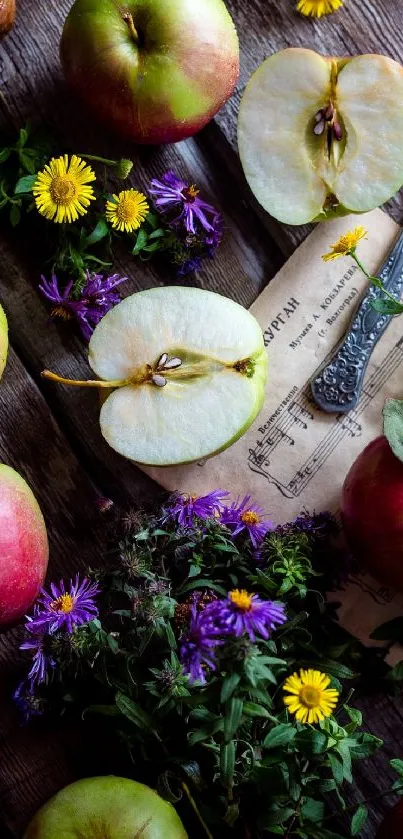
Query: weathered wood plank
{"x": 32, "y": 763}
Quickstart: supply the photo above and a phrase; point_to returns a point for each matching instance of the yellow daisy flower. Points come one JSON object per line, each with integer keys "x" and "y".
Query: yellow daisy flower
{"x": 318, "y": 8}
{"x": 311, "y": 700}
{"x": 346, "y": 244}
{"x": 60, "y": 190}
{"x": 127, "y": 210}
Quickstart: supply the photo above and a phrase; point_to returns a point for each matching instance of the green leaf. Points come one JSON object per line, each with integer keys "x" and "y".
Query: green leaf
{"x": 141, "y": 241}
{"x": 387, "y": 307}
{"x": 252, "y": 709}
{"x": 170, "y": 636}
{"x": 327, "y": 785}
{"x": 133, "y": 712}
{"x": 113, "y": 644}
{"x": 23, "y": 137}
{"x": 313, "y": 810}
{"x": 344, "y": 752}
{"x": 28, "y": 162}
{"x": 233, "y": 716}
{"x": 397, "y": 765}
{"x": 204, "y": 733}
{"x": 398, "y": 787}
{"x": 359, "y": 818}
{"x": 151, "y": 248}
{"x": 391, "y": 630}
{"x": 25, "y": 184}
{"x": 279, "y": 816}
{"x": 157, "y": 234}
{"x": 230, "y": 683}
{"x": 227, "y": 763}
{"x": 105, "y": 710}
{"x": 365, "y": 746}
{"x": 15, "y": 214}
{"x": 396, "y": 673}
{"x": 332, "y": 668}
{"x": 203, "y": 583}
{"x": 355, "y": 716}
{"x": 336, "y": 767}
{"x": 281, "y": 735}
{"x": 311, "y": 741}
{"x": 99, "y": 232}
{"x": 393, "y": 426}
{"x": 4, "y": 155}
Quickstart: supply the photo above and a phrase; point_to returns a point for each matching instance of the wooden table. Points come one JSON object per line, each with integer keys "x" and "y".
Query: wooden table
{"x": 51, "y": 434}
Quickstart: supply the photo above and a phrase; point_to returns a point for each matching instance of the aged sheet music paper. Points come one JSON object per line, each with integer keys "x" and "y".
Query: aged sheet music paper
{"x": 294, "y": 456}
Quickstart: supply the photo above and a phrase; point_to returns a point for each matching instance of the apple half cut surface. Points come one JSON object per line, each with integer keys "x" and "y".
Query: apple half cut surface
{"x": 322, "y": 136}
{"x": 188, "y": 370}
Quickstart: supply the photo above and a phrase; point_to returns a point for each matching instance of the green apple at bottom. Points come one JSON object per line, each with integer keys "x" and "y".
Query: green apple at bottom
{"x": 106, "y": 808}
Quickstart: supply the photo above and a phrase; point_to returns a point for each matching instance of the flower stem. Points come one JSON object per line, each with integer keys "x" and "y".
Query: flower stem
{"x": 374, "y": 280}
{"x": 376, "y": 797}
{"x": 196, "y": 810}
{"x": 47, "y": 374}
{"x": 99, "y": 159}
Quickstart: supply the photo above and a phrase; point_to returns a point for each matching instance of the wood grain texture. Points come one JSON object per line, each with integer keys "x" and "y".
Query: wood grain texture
{"x": 33, "y": 764}
{"x": 51, "y": 434}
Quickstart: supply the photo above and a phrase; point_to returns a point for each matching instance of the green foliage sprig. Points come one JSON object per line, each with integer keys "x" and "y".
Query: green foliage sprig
{"x": 229, "y": 746}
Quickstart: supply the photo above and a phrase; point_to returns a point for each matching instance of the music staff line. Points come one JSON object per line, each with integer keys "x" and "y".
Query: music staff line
{"x": 299, "y": 412}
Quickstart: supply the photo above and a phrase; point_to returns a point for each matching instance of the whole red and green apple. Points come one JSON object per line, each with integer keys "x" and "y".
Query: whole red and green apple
{"x": 392, "y": 825}
{"x": 155, "y": 71}
{"x": 24, "y": 548}
{"x": 372, "y": 512}
{"x": 106, "y": 808}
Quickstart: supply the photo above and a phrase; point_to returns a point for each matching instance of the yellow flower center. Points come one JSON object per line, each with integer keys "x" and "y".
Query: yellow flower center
{"x": 310, "y": 696}
{"x": 62, "y": 189}
{"x": 191, "y": 192}
{"x": 249, "y": 517}
{"x": 64, "y": 603}
{"x": 241, "y": 599}
{"x": 127, "y": 208}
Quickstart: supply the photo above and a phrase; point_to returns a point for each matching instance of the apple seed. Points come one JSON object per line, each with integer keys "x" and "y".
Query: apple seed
{"x": 319, "y": 127}
{"x": 159, "y": 381}
{"x": 172, "y": 363}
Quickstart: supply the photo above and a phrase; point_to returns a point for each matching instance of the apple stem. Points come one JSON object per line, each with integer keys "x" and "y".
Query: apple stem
{"x": 127, "y": 17}
{"x": 47, "y": 374}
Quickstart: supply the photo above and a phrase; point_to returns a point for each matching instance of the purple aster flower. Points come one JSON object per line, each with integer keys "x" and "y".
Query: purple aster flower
{"x": 197, "y": 647}
{"x": 242, "y": 613}
{"x": 190, "y": 265}
{"x": 244, "y": 516}
{"x": 185, "y": 508}
{"x": 41, "y": 661}
{"x": 65, "y": 609}
{"x": 95, "y": 299}
{"x": 172, "y": 194}
{"x": 27, "y": 703}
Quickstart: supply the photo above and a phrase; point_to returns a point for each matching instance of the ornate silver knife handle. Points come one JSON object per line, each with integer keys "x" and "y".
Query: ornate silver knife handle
{"x": 336, "y": 385}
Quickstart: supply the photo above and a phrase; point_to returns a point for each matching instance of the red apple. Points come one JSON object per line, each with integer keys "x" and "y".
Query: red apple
{"x": 372, "y": 512}
{"x": 156, "y": 71}
{"x": 392, "y": 825}
{"x": 23, "y": 546}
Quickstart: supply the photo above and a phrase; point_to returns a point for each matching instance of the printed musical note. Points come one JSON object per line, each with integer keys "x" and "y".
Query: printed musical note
{"x": 266, "y": 457}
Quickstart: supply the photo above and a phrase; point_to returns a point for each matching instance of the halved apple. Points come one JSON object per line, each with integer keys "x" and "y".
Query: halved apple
{"x": 188, "y": 371}
{"x": 319, "y": 136}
